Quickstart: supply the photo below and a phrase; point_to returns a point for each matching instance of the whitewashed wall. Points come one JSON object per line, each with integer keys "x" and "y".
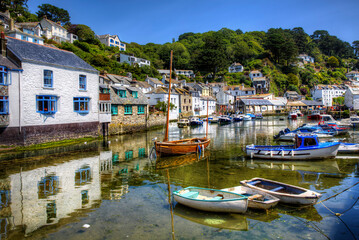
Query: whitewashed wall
{"x": 65, "y": 86}
{"x": 154, "y": 98}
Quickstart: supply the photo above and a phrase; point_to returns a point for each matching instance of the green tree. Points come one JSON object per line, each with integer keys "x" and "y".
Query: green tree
{"x": 293, "y": 79}
{"x": 162, "y": 106}
{"x": 355, "y": 45}
{"x": 53, "y": 13}
{"x": 339, "y": 101}
{"x": 84, "y": 33}
{"x": 333, "y": 62}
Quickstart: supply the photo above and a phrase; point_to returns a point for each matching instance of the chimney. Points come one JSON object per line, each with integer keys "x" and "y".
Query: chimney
{"x": 129, "y": 75}
{"x": 3, "y": 44}
{"x": 12, "y": 24}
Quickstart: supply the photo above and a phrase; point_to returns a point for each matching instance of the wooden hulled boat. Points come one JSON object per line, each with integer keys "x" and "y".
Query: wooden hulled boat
{"x": 211, "y": 200}
{"x": 179, "y": 147}
{"x": 305, "y": 147}
{"x": 256, "y": 199}
{"x": 286, "y": 193}
{"x": 183, "y": 146}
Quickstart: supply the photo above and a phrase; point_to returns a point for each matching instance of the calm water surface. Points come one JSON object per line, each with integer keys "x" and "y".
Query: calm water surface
{"x": 122, "y": 194}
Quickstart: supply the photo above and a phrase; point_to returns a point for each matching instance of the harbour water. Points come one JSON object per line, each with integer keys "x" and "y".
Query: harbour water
{"x": 115, "y": 191}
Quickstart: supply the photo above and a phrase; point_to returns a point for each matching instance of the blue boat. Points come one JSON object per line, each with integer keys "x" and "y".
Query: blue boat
{"x": 306, "y": 147}
{"x": 195, "y": 121}
{"x": 251, "y": 115}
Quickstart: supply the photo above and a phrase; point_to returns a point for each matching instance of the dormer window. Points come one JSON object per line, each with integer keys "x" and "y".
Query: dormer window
{"x": 122, "y": 93}
{"x": 4, "y": 76}
{"x": 135, "y": 94}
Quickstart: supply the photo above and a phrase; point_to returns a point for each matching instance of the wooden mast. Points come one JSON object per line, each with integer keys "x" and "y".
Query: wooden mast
{"x": 169, "y": 101}
{"x": 207, "y": 120}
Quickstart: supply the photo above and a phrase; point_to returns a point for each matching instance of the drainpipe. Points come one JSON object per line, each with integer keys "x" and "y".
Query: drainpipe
{"x": 19, "y": 102}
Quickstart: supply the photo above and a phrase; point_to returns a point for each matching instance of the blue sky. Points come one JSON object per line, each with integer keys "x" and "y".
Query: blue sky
{"x": 159, "y": 21}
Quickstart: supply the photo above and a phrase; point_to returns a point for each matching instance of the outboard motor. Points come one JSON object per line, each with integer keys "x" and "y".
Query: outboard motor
{"x": 279, "y": 134}
{"x": 287, "y": 130}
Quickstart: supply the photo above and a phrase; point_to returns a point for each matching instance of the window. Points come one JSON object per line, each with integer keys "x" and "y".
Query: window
{"x": 82, "y": 82}
{"x": 23, "y": 38}
{"x": 48, "y": 78}
{"x": 141, "y": 152}
{"x": 140, "y": 109}
{"x": 128, "y": 155}
{"x": 83, "y": 175}
{"x": 48, "y": 186}
{"x": 111, "y": 41}
{"x": 34, "y": 40}
{"x": 4, "y": 76}
{"x": 114, "y": 110}
{"x": 50, "y": 211}
{"x": 117, "y": 42}
{"x": 128, "y": 109}
{"x": 4, "y": 105}
{"x": 81, "y": 104}
{"x": 46, "y": 104}
{"x": 135, "y": 94}
{"x": 84, "y": 197}
{"x": 122, "y": 49}
{"x": 122, "y": 93}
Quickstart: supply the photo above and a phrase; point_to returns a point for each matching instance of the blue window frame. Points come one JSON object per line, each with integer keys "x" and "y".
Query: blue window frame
{"x": 122, "y": 49}
{"x": 82, "y": 82}
{"x": 128, "y": 109}
{"x": 83, "y": 175}
{"x": 51, "y": 211}
{"x": 122, "y": 93}
{"x": 81, "y": 104}
{"x": 122, "y": 44}
{"x": 46, "y": 104}
{"x": 4, "y": 76}
{"x": 4, "y": 105}
{"x": 48, "y": 186}
{"x": 111, "y": 41}
{"x": 48, "y": 78}
{"x": 135, "y": 94}
{"x": 117, "y": 42}
{"x": 114, "y": 109}
{"x": 4, "y": 198}
{"x": 34, "y": 40}
{"x": 23, "y": 38}
{"x": 140, "y": 109}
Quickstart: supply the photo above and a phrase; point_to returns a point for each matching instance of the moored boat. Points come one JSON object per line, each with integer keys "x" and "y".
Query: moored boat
{"x": 247, "y": 118}
{"x": 213, "y": 119}
{"x": 179, "y": 147}
{"x": 315, "y": 115}
{"x": 292, "y": 115}
{"x": 256, "y": 199}
{"x": 286, "y": 193}
{"x": 259, "y": 116}
{"x": 348, "y": 148}
{"x": 237, "y": 118}
{"x": 224, "y": 119}
{"x": 183, "y": 123}
{"x": 211, "y": 200}
{"x": 195, "y": 121}
{"x": 305, "y": 147}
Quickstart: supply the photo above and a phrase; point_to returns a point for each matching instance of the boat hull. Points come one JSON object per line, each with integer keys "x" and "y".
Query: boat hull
{"x": 348, "y": 148}
{"x": 181, "y": 147}
{"x": 294, "y": 195}
{"x": 238, "y": 204}
{"x": 269, "y": 200}
{"x": 279, "y": 153}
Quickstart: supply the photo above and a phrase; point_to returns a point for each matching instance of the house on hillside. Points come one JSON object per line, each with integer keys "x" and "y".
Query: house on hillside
{"x": 154, "y": 82}
{"x": 5, "y": 19}
{"x": 326, "y": 93}
{"x": 353, "y": 76}
{"x": 352, "y": 98}
{"x": 240, "y": 90}
{"x": 132, "y": 60}
{"x": 225, "y": 101}
{"x": 46, "y": 94}
{"x": 255, "y": 74}
{"x": 52, "y": 30}
{"x": 112, "y": 41}
{"x": 235, "y": 67}
{"x": 185, "y": 102}
{"x": 261, "y": 84}
{"x": 292, "y": 96}
{"x": 186, "y": 73}
{"x": 28, "y": 31}
{"x": 306, "y": 58}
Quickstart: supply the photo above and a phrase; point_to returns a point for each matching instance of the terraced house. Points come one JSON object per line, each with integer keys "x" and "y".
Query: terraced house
{"x": 46, "y": 94}
{"x": 129, "y": 109}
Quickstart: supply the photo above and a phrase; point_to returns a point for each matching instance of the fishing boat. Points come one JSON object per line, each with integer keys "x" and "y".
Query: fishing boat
{"x": 224, "y": 119}
{"x": 195, "y": 121}
{"x": 299, "y": 113}
{"x": 246, "y": 118}
{"x": 338, "y": 128}
{"x": 251, "y": 115}
{"x": 259, "y": 116}
{"x": 348, "y": 148}
{"x": 287, "y": 135}
{"x": 237, "y": 118}
{"x": 286, "y": 193}
{"x": 314, "y": 115}
{"x": 292, "y": 115}
{"x": 305, "y": 147}
{"x": 256, "y": 199}
{"x": 183, "y": 146}
{"x": 211, "y": 200}
{"x": 213, "y": 119}
{"x": 183, "y": 123}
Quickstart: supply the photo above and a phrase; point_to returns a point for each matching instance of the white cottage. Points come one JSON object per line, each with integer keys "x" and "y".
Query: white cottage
{"x": 51, "y": 94}
{"x": 352, "y": 98}
{"x": 161, "y": 95}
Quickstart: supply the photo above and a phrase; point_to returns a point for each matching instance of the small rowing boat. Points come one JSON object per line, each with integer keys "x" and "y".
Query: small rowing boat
{"x": 256, "y": 199}
{"x": 348, "y": 148}
{"x": 211, "y": 200}
{"x": 286, "y": 193}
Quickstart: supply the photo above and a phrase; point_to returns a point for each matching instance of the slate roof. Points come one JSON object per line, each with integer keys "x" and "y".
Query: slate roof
{"x": 119, "y": 79}
{"x": 27, "y": 24}
{"x": 36, "y": 53}
{"x": 128, "y": 100}
{"x": 7, "y": 63}
{"x": 277, "y": 102}
{"x": 141, "y": 84}
{"x": 256, "y": 102}
{"x": 312, "y": 103}
{"x": 155, "y": 80}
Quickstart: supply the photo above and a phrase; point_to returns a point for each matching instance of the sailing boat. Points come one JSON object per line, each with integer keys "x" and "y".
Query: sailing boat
{"x": 183, "y": 146}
